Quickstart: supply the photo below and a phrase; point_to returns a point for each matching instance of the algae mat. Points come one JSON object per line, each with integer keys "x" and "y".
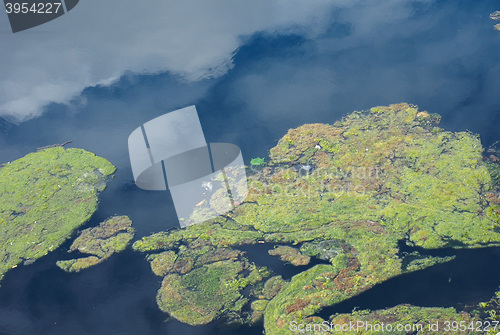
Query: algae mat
{"x": 347, "y": 193}
{"x": 111, "y": 236}
{"x": 45, "y": 196}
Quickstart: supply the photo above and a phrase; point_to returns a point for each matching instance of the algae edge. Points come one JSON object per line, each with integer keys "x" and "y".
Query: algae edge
{"x": 45, "y": 196}
{"x": 347, "y": 193}
{"x": 109, "y": 237}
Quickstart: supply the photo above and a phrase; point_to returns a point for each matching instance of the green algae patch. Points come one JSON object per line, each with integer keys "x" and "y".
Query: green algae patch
{"x": 390, "y": 165}
{"x": 257, "y": 161}
{"x": 218, "y": 233}
{"x": 291, "y": 255}
{"x": 347, "y": 193}
{"x": 415, "y": 261}
{"x": 45, "y": 196}
{"x": 110, "y": 237}
{"x": 202, "y": 294}
{"x": 203, "y": 281}
{"x": 78, "y": 264}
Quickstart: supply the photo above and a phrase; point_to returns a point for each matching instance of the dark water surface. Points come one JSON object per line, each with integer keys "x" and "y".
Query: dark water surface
{"x": 443, "y": 56}
{"x": 461, "y": 283}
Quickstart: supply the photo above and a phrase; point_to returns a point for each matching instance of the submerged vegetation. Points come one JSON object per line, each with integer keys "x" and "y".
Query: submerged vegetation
{"x": 345, "y": 193}
{"x": 496, "y": 16}
{"x": 45, "y": 196}
{"x": 111, "y": 236}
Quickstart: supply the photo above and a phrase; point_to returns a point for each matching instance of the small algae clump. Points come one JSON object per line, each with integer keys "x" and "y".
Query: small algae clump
{"x": 78, "y": 264}
{"x": 415, "y": 261}
{"x": 257, "y": 161}
{"x": 349, "y": 193}
{"x": 496, "y": 16}
{"x": 111, "y": 236}
{"x": 289, "y": 254}
{"x": 45, "y": 196}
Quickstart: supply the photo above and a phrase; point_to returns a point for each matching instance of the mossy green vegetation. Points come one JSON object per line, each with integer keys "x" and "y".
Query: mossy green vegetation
{"x": 110, "y": 237}
{"x": 45, "y": 196}
{"x": 203, "y": 293}
{"x": 257, "y": 161}
{"x": 203, "y": 282}
{"x": 291, "y": 255}
{"x": 347, "y": 193}
{"x": 415, "y": 261}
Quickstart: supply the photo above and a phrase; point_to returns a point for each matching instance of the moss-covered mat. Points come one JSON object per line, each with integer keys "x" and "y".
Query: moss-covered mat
{"x": 346, "y": 193}
{"x": 101, "y": 242}
{"x": 44, "y": 197}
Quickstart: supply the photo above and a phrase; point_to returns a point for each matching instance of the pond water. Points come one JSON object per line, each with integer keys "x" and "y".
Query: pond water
{"x": 440, "y": 55}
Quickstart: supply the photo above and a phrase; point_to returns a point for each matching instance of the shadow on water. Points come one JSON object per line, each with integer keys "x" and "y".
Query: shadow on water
{"x": 468, "y": 279}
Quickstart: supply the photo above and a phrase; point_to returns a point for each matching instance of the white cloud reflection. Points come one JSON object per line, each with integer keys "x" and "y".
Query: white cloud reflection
{"x": 98, "y": 41}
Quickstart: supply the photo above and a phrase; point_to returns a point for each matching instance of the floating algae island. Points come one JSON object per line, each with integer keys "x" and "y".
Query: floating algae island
{"x": 345, "y": 193}
{"x": 45, "y": 196}
{"x": 101, "y": 242}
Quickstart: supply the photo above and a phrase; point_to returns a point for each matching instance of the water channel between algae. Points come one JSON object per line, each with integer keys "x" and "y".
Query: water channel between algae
{"x": 345, "y": 193}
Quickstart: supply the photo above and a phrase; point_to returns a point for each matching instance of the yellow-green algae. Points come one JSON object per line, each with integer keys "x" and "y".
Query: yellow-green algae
{"x": 203, "y": 282}
{"x": 347, "y": 193}
{"x": 270, "y": 289}
{"x": 45, "y": 196}
{"x": 289, "y": 254}
{"x": 110, "y": 237}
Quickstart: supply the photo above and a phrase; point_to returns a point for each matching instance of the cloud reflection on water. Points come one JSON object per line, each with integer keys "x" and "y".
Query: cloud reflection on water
{"x": 100, "y": 40}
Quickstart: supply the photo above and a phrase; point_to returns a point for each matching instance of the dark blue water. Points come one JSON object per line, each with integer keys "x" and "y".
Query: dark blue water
{"x": 443, "y": 57}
